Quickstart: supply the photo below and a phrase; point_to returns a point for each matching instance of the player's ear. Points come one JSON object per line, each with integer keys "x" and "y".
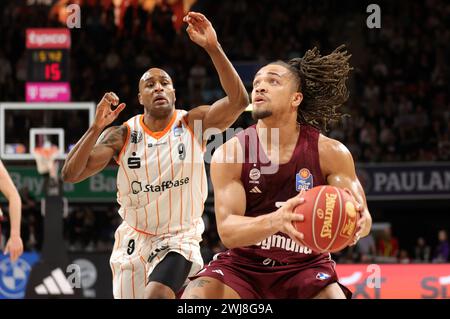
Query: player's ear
{"x": 297, "y": 98}
{"x": 140, "y": 99}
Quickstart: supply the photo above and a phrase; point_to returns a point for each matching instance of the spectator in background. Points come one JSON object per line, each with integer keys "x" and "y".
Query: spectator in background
{"x": 31, "y": 235}
{"x": 32, "y": 222}
{"x": 366, "y": 249}
{"x": 388, "y": 246}
{"x": 371, "y": 91}
{"x": 106, "y": 224}
{"x": 441, "y": 252}
{"x": 444, "y": 147}
{"x": 422, "y": 252}
{"x": 403, "y": 257}
{"x": 5, "y": 72}
{"x": 90, "y": 230}
{"x": 197, "y": 82}
{"x": 76, "y": 231}
{"x": 349, "y": 255}
{"x": 29, "y": 205}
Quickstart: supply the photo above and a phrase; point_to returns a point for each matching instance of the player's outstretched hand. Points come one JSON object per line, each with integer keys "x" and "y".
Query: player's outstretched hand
{"x": 14, "y": 247}
{"x": 200, "y": 30}
{"x": 285, "y": 216}
{"x": 105, "y": 115}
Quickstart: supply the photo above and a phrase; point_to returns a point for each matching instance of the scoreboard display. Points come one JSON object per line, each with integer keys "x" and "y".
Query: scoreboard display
{"x": 48, "y": 65}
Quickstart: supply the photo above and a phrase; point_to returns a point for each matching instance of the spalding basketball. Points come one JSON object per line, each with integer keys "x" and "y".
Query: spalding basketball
{"x": 330, "y": 218}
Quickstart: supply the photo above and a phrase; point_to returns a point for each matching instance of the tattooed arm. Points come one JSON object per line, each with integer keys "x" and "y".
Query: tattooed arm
{"x": 87, "y": 159}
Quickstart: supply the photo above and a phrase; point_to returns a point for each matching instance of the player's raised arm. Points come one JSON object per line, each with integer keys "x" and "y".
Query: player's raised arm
{"x": 91, "y": 154}
{"x": 223, "y": 112}
{"x": 337, "y": 165}
{"x": 14, "y": 245}
{"x": 235, "y": 229}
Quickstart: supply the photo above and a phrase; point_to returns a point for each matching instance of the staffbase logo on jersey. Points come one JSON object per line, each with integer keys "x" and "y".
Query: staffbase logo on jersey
{"x": 137, "y": 187}
{"x": 303, "y": 180}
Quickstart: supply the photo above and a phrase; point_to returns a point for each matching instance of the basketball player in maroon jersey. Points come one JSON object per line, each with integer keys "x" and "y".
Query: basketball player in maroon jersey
{"x": 254, "y": 210}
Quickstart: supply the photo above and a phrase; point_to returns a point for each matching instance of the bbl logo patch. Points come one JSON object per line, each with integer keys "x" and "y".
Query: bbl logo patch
{"x": 178, "y": 130}
{"x": 303, "y": 180}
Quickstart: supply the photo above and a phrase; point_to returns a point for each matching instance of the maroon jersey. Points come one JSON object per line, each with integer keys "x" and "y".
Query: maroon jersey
{"x": 266, "y": 188}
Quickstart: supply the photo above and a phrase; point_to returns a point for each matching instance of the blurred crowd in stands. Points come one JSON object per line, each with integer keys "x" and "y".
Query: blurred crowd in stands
{"x": 399, "y": 102}
{"x": 384, "y": 247}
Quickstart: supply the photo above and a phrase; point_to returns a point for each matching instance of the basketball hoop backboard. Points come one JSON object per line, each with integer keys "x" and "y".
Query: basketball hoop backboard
{"x": 54, "y": 122}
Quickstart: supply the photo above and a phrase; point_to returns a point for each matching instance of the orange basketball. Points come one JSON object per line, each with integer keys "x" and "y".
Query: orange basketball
{"x": 330, "y": 218}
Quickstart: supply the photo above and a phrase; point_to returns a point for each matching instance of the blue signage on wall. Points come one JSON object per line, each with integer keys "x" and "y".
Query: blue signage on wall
{"x": 14, "y": 276}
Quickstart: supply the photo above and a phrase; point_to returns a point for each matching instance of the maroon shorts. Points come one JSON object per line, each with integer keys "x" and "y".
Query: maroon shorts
{"x": 267, "y": 279}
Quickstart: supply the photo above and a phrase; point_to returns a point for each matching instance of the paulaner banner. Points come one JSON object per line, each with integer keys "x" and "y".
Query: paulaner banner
{"x": 405, "y": 181}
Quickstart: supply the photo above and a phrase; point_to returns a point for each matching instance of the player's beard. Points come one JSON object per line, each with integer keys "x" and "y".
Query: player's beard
{"x": 161, "y": 113}
{"x": 260, "y": 114}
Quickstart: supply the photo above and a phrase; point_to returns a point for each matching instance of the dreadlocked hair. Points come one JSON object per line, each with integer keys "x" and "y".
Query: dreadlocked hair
{"x": 322, "y": 83}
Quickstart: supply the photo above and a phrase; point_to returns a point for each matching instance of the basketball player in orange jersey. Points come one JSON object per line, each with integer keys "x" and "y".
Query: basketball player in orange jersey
{"x": 161, "y": 181}
{"x": 255, "y": 210}
{"x": 14, "y": 245}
